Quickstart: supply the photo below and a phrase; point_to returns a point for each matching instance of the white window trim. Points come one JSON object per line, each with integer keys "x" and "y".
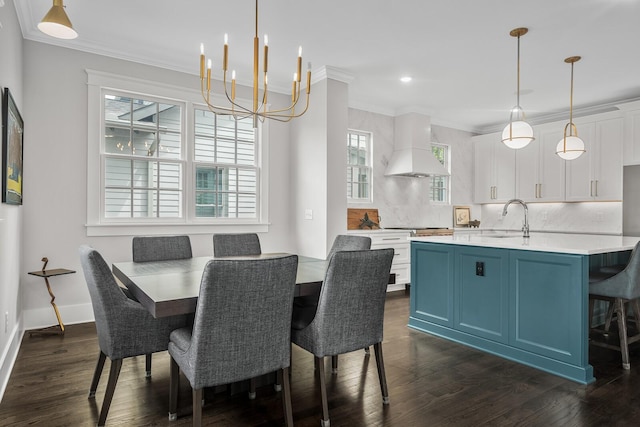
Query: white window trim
{"x": 352, "y": 201}
{"x": 98, "y": 226}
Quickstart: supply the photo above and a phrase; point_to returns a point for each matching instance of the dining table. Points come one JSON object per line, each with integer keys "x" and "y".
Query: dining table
{"x": 168, "y": 288}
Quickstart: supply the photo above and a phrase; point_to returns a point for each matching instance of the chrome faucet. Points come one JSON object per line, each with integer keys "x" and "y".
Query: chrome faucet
{"x": 525, "y": 226}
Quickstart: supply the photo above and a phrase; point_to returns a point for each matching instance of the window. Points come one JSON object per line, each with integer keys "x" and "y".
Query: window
{"x": 359, "y": 171}
{"x": 440, "y": 183}
{"x": 225, "y": 164}
{"x": 143, "y": 160}
{"x": 159, "y": 158}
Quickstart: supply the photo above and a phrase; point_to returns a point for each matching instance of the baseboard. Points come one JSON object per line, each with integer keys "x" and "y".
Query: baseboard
{"x": 43, "y": 317}
{"x": 9, "y": 356}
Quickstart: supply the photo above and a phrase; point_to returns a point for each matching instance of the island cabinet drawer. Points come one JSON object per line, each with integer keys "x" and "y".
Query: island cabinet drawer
{"x": 431, "y": 297}
{"x": 481, "y": 293}
{"x": 546, "y": 304}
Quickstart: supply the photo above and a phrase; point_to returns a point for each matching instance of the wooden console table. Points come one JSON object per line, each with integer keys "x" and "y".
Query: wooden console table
{"x": 46, "y": 274}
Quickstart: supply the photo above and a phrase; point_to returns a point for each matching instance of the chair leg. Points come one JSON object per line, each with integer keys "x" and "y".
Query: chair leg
{"x": 147, "y": 365}
{"x": 96, "y": 375}
{"x": 635, "y": 304}
{"x": 114, "y": 372}
{"x": 278, "y": 385}
{"x": 174, "y": 385}
{"x": 197, "y": 407}
{"x": 286, "y": 397}
{"x": 334, "y": 364}
{"x": 367, "y": 351}
{"x": 323, "y": 393}
{"x": 607, "y": 320}
{"x": 622, "y": 330}
{"x": 252, "y": 388}
{"x": 377, "y": 347}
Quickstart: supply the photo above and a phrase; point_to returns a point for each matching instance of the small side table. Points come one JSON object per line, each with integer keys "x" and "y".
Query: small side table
{"x": 46, "y": 274}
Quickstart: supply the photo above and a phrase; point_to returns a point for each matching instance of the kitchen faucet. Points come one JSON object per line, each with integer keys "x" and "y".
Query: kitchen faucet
{"x": 525, "y": 227}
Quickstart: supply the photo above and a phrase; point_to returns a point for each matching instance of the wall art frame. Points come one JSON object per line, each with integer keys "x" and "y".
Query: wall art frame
{"x": 12, "y": 150}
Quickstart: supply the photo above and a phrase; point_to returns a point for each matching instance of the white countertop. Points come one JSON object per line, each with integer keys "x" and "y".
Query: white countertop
{"x": 581, "y": 244}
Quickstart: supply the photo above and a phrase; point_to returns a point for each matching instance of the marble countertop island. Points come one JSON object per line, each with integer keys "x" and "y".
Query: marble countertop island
{"x": 569, "y": 243}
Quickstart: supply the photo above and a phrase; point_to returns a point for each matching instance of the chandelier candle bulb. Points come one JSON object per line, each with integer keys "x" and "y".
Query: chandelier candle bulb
{"x": 299, "y": 73}
{"x": 233, "y": 84}
{"x": 266, "y": 54}
{"x": 201, "y": 61}
{"x": 225, "y": 53}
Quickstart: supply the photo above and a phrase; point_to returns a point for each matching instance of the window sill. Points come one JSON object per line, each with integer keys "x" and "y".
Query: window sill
{"x": 131, "y": 229}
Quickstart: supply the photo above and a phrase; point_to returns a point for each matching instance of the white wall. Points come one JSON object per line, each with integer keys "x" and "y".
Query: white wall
{"x": 55, "y": 201}
{"x": 11, "y": 217}
{"x": 403, "y": 201}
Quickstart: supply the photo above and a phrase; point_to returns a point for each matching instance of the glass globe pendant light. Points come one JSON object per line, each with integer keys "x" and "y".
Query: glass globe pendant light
{"x": 570, "y": 146}
{"x": 518, "y": 133}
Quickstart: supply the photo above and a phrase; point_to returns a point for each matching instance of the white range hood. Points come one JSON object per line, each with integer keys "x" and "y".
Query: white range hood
{"x": 412, "y": 155}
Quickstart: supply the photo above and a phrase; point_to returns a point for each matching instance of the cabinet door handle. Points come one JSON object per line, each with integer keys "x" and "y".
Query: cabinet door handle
{"x": 596, "y": 188}
{"x": 390, "y": 238}
{"x": 591, "y": 188}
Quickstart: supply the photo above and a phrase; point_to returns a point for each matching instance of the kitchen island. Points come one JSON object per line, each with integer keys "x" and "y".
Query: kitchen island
{"x": 525, "y": 299}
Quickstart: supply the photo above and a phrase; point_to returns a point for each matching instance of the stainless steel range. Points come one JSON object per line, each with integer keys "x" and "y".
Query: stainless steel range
{"x": 424, "y": 231}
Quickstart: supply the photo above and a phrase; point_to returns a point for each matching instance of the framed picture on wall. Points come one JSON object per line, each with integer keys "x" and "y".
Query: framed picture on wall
{"x": 461, "y": 216}
{"x": 12, "y": 140}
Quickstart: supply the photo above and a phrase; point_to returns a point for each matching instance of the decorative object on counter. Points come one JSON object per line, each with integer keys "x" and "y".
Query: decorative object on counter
{"x": 46, "y": 274}
{"x": 570, "y": 146}
{"x": 362, "y": 219}
{"x": 474, "y": 223}
{"x": 12, "y": 143}
{"x": 518, "y": 133}
{"x": 56, "y": 23}
{"x": 461, "y": 215}
{"x": 259, "y": 109}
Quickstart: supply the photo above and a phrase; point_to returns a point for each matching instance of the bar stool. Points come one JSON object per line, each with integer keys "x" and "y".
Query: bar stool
{"x": 618, "y": 290}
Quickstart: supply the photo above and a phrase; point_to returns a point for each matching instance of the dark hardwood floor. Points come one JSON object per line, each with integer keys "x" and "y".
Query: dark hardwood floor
{"x": 432, "y": 382}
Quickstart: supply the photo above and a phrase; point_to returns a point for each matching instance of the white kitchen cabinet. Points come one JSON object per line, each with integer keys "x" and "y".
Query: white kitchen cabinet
{"x": 631, "y": 146}
{"x": 398, "y": 240}
{"x": 597, "y": 174}
{"x": 540, "y": 173}
{"x": 494, "y": 170}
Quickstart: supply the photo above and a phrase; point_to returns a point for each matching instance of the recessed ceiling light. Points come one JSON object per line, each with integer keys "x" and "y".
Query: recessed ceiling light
{"x": 406, "y": 79}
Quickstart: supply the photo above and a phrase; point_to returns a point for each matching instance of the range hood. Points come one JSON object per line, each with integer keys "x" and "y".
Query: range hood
{"x": 412, "y": 155}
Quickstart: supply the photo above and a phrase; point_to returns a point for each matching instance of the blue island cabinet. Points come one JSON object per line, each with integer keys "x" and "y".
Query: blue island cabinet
{"x": 527, "y": 306}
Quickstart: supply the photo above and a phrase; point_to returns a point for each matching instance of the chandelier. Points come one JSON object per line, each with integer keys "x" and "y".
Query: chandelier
{"x": 259, "y": 110}
{"x": 570, "y": 146}
{"x": 518, "y": 133}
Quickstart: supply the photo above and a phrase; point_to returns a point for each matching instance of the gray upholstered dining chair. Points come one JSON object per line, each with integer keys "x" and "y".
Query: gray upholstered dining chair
{"x": 159, "y": 248}
{"x": 124, "y": 327}
{"x": 342, "y": 242}
{"x": 242, "y": 328}
{"x": 350, "y": 313}
{"x": 238, "y": 244}
{"x": 618, "y": 290}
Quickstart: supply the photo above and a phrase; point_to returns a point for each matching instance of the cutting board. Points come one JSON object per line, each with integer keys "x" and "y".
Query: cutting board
{"x": 355, "y": 218}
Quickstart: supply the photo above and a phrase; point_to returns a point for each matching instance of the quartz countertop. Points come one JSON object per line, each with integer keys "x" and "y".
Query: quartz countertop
{"x": 581, "y": 244}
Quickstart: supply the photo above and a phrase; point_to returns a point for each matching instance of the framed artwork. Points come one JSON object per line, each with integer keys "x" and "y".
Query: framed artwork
{"x": 461, "y": 216}
{"x": 12, "y": 140}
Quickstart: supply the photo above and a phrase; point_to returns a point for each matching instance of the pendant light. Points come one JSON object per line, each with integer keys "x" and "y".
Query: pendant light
{"x": 570, "y": 146}
{"x": 518, "y": 133}
{"x": 56, "y": 23}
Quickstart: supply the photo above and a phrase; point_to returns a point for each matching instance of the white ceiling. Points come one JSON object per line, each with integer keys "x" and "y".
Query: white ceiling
{"x": 459, "y": 52}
